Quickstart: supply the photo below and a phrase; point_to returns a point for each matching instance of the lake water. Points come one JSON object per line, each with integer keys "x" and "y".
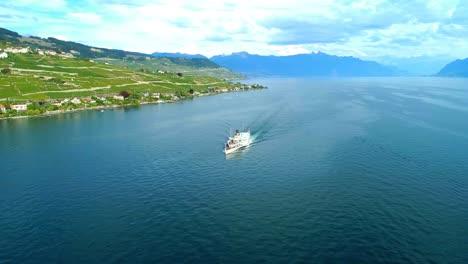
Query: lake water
{"x": 340, "y": 171}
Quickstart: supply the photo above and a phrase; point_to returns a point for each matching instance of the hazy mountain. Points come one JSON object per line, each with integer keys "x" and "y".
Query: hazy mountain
{"x": 458, "y": 68}
{"x": 303, "y": 65}
{"x": 178, "y": 55}
{"x": 417, "y": 66}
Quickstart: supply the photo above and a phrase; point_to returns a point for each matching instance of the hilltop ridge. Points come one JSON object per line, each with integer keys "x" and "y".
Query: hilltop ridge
{"x": 303, "y": 65}
{"x": 133, "y": 60}
{"x": 178, "y": 55}
{"x": 457, "y": 68}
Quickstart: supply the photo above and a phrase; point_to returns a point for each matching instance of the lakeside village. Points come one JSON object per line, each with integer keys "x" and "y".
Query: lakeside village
{"x": 11, "y": 108}
{"x": 122, "y": 99}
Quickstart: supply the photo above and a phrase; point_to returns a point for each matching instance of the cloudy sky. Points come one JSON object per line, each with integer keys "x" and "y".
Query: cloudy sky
{"x": 373, "y": 30}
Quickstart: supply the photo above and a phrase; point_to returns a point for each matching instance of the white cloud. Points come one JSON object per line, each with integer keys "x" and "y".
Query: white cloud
{"x": 39, "y": 3}
{"x": 61, "y": 37}
{"x": 89, "y": 18}
{"x": 290, "y": 50}
{"x": 364, "y": 28}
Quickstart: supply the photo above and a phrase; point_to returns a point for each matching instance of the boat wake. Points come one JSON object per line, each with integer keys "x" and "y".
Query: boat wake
{"x": 263, "y": 127}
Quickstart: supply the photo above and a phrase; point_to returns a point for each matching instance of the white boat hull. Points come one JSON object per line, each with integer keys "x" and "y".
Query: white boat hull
{"x": 239, "y": 141}
{"x": 234, "y": 149}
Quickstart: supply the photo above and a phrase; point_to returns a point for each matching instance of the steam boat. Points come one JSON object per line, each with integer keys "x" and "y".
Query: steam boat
{"x": 238, "y": 141}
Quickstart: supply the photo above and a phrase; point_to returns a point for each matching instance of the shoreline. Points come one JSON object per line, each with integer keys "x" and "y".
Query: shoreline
{"x": 105, "y": 107}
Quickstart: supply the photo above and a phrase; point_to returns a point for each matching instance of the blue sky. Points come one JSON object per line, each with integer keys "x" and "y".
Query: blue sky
{"x": 373, "y": 30}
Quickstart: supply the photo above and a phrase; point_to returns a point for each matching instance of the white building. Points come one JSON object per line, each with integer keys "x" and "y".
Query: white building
{"x": 156, "y": 95}
{"x": 19, "y": 107}
{"x": 2, "y": 108}
{"x": 118, "y": 97}
{"x": 17, "y": 50}
{"x": 66, "y": 55}
{"x": 76, "y": 101}
{"x": 89, "y": 101}
{"x": 3, "y": 55}
{"x": 50, "y": 52}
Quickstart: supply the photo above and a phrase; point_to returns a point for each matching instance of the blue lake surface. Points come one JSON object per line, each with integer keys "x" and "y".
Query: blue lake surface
{"x": 365, "y": 170}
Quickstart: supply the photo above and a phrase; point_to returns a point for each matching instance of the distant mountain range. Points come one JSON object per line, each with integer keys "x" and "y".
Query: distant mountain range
{"x": 303, "y": 65}
{"x": 458, "y": 68}
{"x": 416, "y": 65}
{"x": 325, "y": 65}
{"x": 178, "y": 55}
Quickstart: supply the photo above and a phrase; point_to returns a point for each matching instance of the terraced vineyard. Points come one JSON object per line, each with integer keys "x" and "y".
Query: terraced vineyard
{"x": 199, "y": 67}
{"x": 121, "y": 58}
{"x": 39, "y": 77}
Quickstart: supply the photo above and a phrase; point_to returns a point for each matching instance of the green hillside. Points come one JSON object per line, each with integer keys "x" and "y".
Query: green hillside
{"x": 199, "y": 67}
{"x": 38, "y": 77}
{"x": 132, "y": 60}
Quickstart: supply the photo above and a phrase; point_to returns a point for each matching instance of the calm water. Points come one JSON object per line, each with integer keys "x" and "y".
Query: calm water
{"x": 340, "y": 171}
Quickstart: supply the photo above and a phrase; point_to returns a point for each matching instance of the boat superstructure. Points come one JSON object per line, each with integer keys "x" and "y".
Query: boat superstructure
{"x": 238, "y": 141}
